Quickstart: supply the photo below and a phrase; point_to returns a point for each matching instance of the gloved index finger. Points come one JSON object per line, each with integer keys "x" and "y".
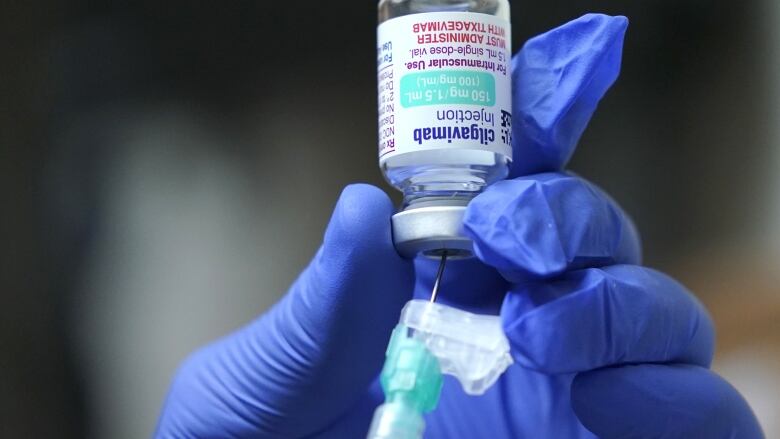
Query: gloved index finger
{"x": 558, "y": 79}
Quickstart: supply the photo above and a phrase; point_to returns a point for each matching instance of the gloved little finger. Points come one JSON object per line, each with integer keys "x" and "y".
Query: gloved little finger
{"x": 594, "y": 318}
{"x": 661, "y": 401}
{"x": 542, "y": 225}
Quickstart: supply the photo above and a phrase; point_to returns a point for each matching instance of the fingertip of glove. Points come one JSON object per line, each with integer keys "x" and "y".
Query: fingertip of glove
{"x": 362, "y": 217}
{"x": 361, "y": 222}
{"x": 362, "y": 201}
{"x": 612, "y": 26}
{"x": 559, "y": 77}
{"x": 596, "y": 16}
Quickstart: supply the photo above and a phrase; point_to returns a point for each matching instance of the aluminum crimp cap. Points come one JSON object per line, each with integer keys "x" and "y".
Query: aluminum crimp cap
{"x": 431, "y": 229}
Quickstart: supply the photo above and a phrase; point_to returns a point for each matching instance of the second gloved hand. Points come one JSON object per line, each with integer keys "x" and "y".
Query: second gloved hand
{"x": 603, "y": 346}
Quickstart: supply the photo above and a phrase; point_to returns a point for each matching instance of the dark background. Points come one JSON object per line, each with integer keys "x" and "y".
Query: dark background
{"x": 166, "y": 168}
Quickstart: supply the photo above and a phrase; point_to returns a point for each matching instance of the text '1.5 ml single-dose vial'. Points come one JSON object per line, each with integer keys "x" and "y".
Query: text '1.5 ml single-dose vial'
{"x": 445, "y": 104}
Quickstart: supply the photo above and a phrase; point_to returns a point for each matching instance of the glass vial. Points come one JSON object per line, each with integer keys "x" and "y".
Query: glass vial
{"x": 444, "y": 98}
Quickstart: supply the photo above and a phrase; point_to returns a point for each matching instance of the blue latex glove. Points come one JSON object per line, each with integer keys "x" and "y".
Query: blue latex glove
{"x": 602, "y": 345}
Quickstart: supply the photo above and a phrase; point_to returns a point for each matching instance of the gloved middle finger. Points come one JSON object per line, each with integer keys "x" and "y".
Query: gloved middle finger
{"x": 543, "y": 225}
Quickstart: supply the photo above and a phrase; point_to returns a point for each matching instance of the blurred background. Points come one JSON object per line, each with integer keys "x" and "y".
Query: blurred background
{"x": 167, "y": 168}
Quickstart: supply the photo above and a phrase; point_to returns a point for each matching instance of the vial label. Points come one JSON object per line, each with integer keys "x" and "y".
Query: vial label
{"x": 444, "y": 82}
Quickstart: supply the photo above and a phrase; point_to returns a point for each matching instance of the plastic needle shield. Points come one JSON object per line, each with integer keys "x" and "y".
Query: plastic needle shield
{"x": 431, "y": 340}
{"x": 470, "y": 347}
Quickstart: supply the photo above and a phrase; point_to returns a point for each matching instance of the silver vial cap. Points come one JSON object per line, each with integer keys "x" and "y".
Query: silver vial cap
{"x": 431, "y": 230}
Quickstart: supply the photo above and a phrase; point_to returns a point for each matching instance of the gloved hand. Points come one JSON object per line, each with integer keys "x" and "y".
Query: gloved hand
{"x": 602, "y": 345}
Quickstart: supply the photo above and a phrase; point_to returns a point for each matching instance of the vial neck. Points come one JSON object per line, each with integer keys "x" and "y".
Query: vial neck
{"x": 440, "y": 195}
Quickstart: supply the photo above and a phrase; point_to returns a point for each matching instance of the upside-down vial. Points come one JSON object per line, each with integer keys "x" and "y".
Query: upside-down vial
{"x": 445, "y": 104}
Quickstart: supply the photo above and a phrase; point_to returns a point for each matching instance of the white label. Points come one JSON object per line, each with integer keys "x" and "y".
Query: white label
{"x": 444, "y": 82}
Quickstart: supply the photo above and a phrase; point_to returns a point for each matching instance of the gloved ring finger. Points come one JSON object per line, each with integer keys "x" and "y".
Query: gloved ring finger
{"x": 616, "y": 315}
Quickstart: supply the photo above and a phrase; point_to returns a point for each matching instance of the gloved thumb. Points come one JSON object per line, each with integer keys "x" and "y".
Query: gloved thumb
{"x": 304, "y": 363}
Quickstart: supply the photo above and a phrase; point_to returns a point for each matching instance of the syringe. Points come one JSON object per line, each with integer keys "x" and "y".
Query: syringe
{"x": 430, "y": 340}
{"x": 411, "y": 379}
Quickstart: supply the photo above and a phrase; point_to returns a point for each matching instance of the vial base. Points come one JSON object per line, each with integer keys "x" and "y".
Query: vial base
{"x": 396, "y": 8}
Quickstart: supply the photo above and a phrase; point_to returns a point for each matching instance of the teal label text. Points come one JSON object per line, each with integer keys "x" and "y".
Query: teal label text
{"x": 448, "y": 87}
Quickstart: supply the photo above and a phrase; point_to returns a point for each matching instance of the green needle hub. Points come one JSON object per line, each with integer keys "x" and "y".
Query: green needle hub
{"x": 411, "y": 375}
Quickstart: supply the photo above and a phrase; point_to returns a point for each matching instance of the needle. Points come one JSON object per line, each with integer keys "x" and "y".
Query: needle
{"x": 438, "y": 277}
